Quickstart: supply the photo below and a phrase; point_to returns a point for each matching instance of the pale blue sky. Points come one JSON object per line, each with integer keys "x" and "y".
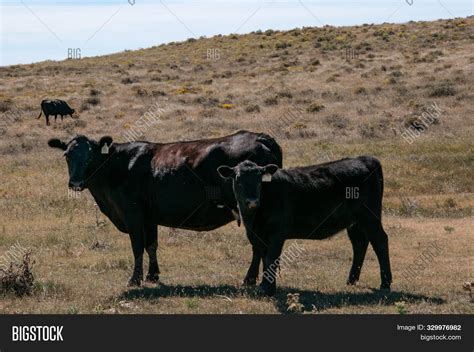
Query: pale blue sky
{"x": 37, "y": 30}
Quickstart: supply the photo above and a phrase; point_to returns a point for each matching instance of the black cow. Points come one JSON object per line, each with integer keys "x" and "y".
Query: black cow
{"x": 312, "y": 202}
{"x": 55, "y": 107}
{"x": 140, "y": 185}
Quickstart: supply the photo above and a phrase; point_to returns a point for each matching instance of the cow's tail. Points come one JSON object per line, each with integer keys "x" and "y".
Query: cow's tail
{"x": 273, "y": 146}
{"x": 41, "y": 111}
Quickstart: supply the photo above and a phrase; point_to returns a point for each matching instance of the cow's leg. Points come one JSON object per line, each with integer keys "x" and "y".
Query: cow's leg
{"x": 271, "y": 266}
{"x": 360, "y": 242}
{"x": 47, "y": 120}
{"x": 136, "y": 238}
{"x": 62, "y": 116}
{"x": 252, "y": 273}
{"x": 151, "y": 245}
{"x": 55, "y": 117}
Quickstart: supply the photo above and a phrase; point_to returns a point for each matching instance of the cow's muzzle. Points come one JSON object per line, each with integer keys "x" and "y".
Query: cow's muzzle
{"x": 252, "y": 204}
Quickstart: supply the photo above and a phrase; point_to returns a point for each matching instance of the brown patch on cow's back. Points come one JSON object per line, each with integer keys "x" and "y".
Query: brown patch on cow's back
{"x": 172, "y": 155}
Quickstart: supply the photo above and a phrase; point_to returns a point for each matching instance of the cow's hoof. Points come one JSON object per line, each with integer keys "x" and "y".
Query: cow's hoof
{"x": 352, "y": 282}
{"x": 250, "y": 281}
{"x": 268, "y": 288}
{"x": 153, "y": 278}
{"x": 134, "y": 282}
{"x": 385, "y": 287}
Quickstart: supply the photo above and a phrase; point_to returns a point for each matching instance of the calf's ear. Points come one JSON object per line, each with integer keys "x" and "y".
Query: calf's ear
{"x": 56, "y": 143}
{"x": 270, "y": 169}
{"x": 226, "y": 171}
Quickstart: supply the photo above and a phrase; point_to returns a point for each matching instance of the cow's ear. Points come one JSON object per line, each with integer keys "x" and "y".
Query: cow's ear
{"x": 226, "y": 171}
{"x": 56, "y": 143}
{"x": 105, "y": 143}
{"x": 270, "y": 169}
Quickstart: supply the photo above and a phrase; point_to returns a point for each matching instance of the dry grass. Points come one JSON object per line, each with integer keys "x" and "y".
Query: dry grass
{"x": 296, "y": 85}
{"x": 17, "y": 278}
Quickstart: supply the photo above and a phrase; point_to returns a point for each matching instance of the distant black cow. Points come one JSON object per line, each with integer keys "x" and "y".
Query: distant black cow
{"x": 312, "y": 202}
{"x": 55, "y": 107}
{"x": 141, "y": 185}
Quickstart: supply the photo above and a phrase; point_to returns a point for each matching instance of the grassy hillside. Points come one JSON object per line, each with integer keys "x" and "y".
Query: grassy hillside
{"x": 324, "y": 93}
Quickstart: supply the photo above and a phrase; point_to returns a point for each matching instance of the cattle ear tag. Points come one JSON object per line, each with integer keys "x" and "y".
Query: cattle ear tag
{"x": 267, "y": 178}
{"x": 105, "y": 149}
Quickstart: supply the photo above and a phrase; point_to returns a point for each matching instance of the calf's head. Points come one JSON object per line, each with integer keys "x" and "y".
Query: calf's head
{"x": 247, "y": 178}
{"x": 84, "y": 157}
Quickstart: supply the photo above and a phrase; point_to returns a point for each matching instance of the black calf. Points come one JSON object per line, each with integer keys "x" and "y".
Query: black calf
{"x": 313, "y": 202}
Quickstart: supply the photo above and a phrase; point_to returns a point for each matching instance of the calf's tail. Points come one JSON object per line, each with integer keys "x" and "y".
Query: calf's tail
{"x": 381, "y": 178}
{"x": 380, "y": 183}
{"x": 379, "y": 170}
{"x": 375, "y": 178}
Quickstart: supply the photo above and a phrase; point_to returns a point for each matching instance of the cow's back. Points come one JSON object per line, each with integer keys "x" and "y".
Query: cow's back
{"x": 203, "y": 157}
{"x": 55, "y": 107}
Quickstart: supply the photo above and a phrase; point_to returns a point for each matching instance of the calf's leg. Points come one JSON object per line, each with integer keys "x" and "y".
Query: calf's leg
{"x": 252, "y": 273}
{"x": 380, "y": 245}
{"x": 270, "y": 267}
{"x": 360, "y": 242}
{"x": 379, "y": 241}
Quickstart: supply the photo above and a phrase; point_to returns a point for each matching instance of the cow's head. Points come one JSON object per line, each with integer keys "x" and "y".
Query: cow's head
{"x": 74, "y": 114}
{"x": 247, "y": 178}
{"x": 84, "y": 157}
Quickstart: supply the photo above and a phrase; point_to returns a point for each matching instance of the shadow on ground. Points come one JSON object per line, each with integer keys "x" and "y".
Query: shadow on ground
{"x": 309, "y": 299}
{"x": 324, "y": 300}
